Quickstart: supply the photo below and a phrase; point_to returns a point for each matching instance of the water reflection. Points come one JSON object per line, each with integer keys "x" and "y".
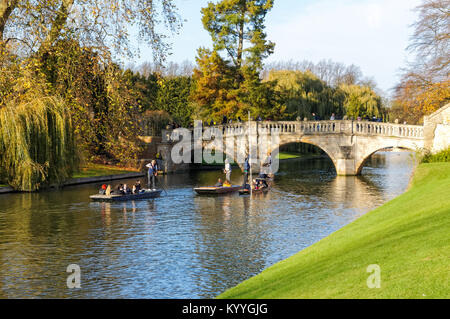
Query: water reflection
{"x": 181, "y": 245}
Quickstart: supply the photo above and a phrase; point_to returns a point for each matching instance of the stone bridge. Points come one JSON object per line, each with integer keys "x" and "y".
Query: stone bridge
{"x": 348, "y": 143}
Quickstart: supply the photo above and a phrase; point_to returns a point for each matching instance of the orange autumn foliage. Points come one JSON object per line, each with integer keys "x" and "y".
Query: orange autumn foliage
{"x": 417, "y": 99}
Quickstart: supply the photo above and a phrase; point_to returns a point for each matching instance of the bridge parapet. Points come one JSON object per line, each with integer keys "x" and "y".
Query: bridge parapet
{"x": 389, "y": 129}
{"x": 313, "y": 128}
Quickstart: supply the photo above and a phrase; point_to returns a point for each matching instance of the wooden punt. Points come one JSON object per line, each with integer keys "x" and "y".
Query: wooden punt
{"x": 217, "y": 190}
{"x": 255, "y": 191}
{"x": 122, "y": 198}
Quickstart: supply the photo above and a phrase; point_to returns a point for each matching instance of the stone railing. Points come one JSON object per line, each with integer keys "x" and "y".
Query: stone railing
{"x": 388, "y": 129}
{"x": 316, "y": 128}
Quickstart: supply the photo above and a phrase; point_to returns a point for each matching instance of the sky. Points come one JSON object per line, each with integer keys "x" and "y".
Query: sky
{"x": 372, "y": 34}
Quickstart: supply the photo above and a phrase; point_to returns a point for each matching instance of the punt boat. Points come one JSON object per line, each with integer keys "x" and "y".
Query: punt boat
{"x": 217, "y": 190}
{"x": 147, "y": 194}
{"x": 246, "y": 191}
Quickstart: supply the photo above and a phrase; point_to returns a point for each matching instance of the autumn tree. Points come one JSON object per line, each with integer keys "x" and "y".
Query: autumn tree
{"x": 431, "y": 39}
{"x": 60, "y": 53}
{"x": 33, "y": 25}
{"x": 424, "y": 86}
{"x": 227, "y": 78}
{"x": 417, "y": 96}
{"x": 215, "y": 91}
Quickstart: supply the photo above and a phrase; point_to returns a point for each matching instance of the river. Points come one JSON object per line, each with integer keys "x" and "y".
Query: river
{"x": 181, "y": 245}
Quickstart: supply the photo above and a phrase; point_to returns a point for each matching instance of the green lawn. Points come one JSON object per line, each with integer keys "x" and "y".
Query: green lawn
{"x": 288, "y": 155}
{"x": 409, "y": 238}
{"x": 94, "y": 170}
{"x": 281, "y": 156}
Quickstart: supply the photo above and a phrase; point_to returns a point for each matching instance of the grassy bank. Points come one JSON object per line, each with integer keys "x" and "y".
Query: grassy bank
{"x": 407, "y": 237}
{"x": 281, "y": 156}
{"x": 288, "y": 155}
{"x": 94, "y": 170}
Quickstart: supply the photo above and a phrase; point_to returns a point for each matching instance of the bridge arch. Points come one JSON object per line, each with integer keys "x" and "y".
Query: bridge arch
{"x": 327, "y": 149}
{"x": 365, "y": 154}
{"x": 223, "y": 150}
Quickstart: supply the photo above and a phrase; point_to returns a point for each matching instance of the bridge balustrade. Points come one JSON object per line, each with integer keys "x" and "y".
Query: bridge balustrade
{"x": 319, "y": 127}
{"x": 388, "y": 129}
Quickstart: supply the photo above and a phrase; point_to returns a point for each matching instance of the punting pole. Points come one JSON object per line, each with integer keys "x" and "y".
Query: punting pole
{"x": 249, "y": 154}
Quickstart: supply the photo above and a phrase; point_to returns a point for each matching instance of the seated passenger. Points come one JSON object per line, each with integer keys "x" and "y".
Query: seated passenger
{"x": 120, "y": 189}
{"x": 102, "y": 190}
{"x": 219, "y": 183}
{"x": 108, "y": 190}
{"x": 227, "y": 184}
{"x": 138, "y": 187}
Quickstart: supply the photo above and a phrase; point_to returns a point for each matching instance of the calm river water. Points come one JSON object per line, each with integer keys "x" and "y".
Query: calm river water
{"x": 181, "y": 245}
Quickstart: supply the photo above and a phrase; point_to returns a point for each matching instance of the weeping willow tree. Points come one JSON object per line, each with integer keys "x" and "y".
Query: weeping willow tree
{"x": 362, "y": 101}
{"x": 304, "y": 93}
{"x": 37, "y": 145}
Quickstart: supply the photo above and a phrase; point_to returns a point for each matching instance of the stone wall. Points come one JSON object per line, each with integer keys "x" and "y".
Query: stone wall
{"x": 437, "y": 130}
{"x": 442, "y": 138}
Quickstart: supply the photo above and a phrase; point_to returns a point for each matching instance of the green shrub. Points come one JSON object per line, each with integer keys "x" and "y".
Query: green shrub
{"x": 443, "y": 156}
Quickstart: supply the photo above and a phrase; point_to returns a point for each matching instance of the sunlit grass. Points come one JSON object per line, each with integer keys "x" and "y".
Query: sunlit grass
{"x": 408, "y": 238}
{"x": 281, "y": 156}
{"x": 94, "y": 170}
{"x": 288, "y": 155}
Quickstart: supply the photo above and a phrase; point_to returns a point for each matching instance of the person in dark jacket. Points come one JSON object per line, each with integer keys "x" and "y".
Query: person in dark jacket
{"x": 247, "y": 168}
{"x": 152, "y": 173}
{"x": 138, "y": 187}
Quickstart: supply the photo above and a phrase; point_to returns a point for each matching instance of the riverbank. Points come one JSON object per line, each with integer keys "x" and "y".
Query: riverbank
{"x": 96, "y": 173}
{"x": 93, "y": 173}
{"x": 407, "y": 238}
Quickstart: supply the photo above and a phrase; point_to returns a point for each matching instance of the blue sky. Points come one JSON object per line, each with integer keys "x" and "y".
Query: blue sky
{"x": 372, "y": 34}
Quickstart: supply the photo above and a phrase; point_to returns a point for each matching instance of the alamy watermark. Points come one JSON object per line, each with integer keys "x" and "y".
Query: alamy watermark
{"x": 374, "y": 280}
{"x": 236, "y": 143}
{"x": 74, "y": 279}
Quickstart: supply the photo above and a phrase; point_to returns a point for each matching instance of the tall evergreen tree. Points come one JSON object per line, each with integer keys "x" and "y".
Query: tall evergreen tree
{"x": 234, "y": 23}
{"x": 230, "y": 84}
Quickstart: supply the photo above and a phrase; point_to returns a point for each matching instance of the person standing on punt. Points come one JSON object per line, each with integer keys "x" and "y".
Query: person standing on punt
{"x": 227, "y": 170}
{"x": 267, "y": 166}
{"x": 247, "y": 168}
{"x": 152, "y": 173}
